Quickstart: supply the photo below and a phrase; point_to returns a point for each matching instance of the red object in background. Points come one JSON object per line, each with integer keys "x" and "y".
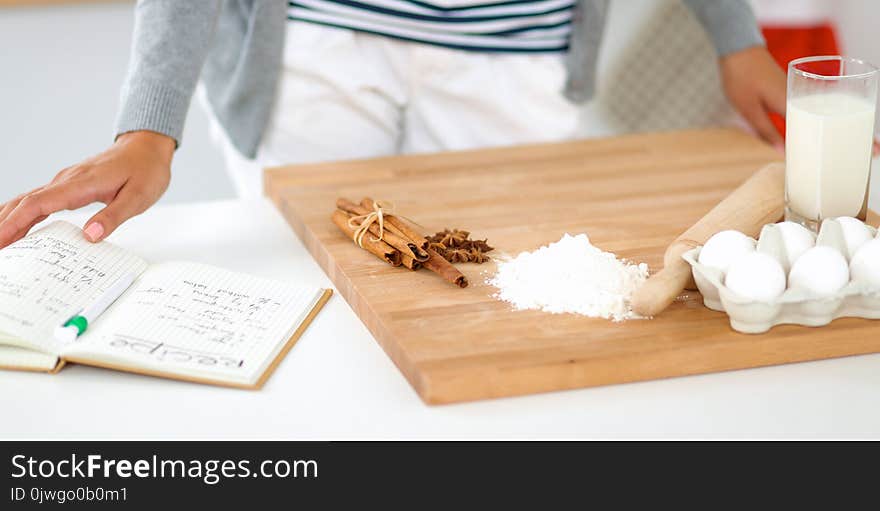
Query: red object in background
{"x": 789, "y": 43}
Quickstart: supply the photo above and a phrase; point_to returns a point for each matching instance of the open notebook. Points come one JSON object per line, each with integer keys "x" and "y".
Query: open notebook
{"x": 177, "y": 320}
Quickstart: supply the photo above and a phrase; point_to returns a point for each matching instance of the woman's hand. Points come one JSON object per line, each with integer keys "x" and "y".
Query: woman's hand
{"x": 129, "y": 177}
{"x": 755, "y": 85}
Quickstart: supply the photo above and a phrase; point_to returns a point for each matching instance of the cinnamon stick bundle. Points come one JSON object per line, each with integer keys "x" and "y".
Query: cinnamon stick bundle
{"x": 402, "y": 244}
{"x": 401, "y": 225}
{"x": 390, "y": 234}
{"x": 356, "y": 209}
{"x": 378, "y": 248}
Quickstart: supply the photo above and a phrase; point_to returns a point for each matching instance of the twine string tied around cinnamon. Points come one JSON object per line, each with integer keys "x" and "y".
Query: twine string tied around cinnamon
{"x": 361, "y": 223}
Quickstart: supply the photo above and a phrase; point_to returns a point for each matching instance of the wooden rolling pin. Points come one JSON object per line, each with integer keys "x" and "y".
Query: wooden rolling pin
{"x": 747, "y": 209}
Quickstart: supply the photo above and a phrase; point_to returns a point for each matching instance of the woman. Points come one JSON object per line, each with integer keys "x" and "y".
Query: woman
{"x": 312, "y": 80}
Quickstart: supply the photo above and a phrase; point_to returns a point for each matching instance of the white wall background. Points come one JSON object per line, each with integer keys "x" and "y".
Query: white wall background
{"x": 61, "y": 68}
{"x": 857, "y": 22}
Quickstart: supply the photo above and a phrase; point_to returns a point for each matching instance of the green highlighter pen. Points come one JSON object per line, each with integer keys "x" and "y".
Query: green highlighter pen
{"x": 76, "y": 325}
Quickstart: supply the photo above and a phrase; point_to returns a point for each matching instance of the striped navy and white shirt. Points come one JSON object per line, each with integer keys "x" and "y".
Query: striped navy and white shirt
{"x": 476, "y": 25}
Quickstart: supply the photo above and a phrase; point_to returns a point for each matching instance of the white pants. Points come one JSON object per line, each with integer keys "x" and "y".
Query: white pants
{"x": 350, "y": 95}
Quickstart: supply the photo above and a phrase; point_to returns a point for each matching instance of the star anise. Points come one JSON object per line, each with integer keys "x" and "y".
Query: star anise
{"x": 482, "y": 245}
{"x": 477, "y": 256}
{"x": 456, "y": 246}
{"x": 436, "y": 246}
{"x": 451, "y": 239}
{"x": 458, "y": 255}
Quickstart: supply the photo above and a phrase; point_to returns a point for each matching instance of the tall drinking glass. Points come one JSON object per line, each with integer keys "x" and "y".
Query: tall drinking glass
{"x": 829, "y": 135}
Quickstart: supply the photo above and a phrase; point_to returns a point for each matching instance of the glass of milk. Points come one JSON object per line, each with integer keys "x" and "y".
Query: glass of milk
{"x": 828, "y": 138}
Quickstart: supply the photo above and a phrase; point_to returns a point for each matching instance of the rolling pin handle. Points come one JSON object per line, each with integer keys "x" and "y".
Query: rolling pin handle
{"x": 758, "y": 201}
{"x": 674, "y": 255}
{"x": 661, "y": 289}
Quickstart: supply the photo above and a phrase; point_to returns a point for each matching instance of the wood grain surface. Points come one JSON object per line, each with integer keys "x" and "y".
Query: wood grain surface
{"x": 633, "y": 195}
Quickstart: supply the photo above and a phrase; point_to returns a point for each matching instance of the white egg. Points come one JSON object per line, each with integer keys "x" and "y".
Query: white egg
{"x": 865, "y": 265}
{"x": 797, "y": 239}
{"x": 756, "y": 276}
{"x": 821, "y": 270}
{"x": 855, "y": 234}
{"x": 724, "y": 248}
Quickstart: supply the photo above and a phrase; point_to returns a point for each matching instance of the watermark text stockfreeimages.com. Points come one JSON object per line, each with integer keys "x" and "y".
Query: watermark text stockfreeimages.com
{"x": 95, "y": 466}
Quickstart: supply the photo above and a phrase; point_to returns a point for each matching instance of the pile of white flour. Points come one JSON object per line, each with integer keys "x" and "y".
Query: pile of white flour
{"x": 570, "y": 275}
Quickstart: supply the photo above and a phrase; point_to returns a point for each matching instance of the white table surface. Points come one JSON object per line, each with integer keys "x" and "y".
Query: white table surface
{"x": 337, "y": 383}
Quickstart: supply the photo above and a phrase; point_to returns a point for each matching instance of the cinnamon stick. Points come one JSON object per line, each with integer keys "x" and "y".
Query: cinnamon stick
{"x": 391, "y": 234}
{"x": 378, "y": 248}
{"x": 444, "y": 268}
{"x": 409, "y": 262}
{"x": 350, "y": 207}
{"x": 400, "y": 225}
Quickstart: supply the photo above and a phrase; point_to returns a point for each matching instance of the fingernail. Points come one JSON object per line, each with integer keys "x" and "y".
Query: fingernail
{"x": 94, "y": 231}
{"x": 779, "y": 146}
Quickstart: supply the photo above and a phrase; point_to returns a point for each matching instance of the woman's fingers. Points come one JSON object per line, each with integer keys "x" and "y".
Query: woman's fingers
{"x": 43, "y": 202}
{"x": 8, "y": 207}
{"x": 21, "y": 234}
{"x": 774, "y": 100}
{"x": 130, "y": 201}
{"x": 755, "y": 85}
{"x": 11, "y": 205}
{"x": 758, "y": 117}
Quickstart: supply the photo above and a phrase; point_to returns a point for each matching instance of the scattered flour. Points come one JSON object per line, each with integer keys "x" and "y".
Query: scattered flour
{"x": 570, "y": 275}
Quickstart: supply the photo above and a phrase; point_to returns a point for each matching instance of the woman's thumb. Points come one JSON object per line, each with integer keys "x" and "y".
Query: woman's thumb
{"x": 125, "y": 205}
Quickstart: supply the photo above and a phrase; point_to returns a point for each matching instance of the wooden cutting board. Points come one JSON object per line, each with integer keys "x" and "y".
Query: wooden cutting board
{"x": 632, "y": 195}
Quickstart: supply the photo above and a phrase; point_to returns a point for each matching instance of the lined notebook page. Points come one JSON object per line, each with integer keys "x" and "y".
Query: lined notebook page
{"x": 198, "y": 321}
{"x": 50, "y": 275}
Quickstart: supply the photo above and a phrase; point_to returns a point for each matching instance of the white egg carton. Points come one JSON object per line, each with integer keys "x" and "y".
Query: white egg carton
{"x": 795, "y": 305}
